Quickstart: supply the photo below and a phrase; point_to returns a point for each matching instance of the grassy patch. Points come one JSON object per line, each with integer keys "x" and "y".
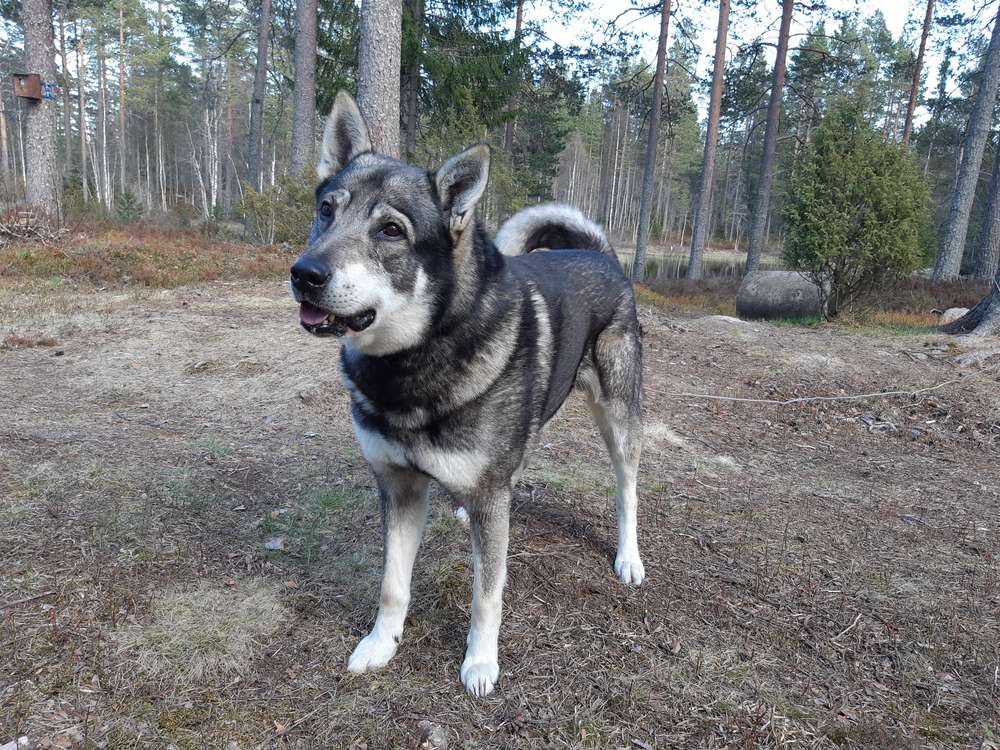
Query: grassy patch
{"x": 305, "y": 528}
{"x": 213, "y": 446}
{"x": 716, "y": 296}
{"x": 806, "y": 321}
{"x": 140, "y": 255}
{"x": 204, "y": 633}
{"x": 14, "y": 341}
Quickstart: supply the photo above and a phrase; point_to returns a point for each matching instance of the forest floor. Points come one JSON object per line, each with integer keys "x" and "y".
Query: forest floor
{"x": 190, "y": 545}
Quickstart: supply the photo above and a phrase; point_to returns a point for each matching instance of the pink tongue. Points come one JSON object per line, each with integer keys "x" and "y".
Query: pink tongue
{"x": 311, "y": 315}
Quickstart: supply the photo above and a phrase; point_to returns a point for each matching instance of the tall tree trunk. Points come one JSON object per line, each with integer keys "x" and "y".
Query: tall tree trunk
{"x": 42, "y": 167}
{"x": 704, "y": 199}
{"x": 257, "y": 97}
{"x": 642, "y": 234}
{"x": 5, "y": 166}
{"x": 81, "y": 105}
{"x": 511, "y": 126}
{"x": 161, "y": 169}
{"x": 304, "y": 94}
{"x": 122, "y": 150}
{"x": 988, "y": 245}
{"x": 915, "y": 85}
{"x": 604, "y": 179}
{"x": 984, "y": 318}
{"x": 411, "y": 78}
{"x": 67, "y": 124}
{"x": 378, "y": 72}
{"x": 104, "y": 181}
{"x": 758, "y": 223}
{"x": 949, "y": 257}
{"x": 228, "y": 164}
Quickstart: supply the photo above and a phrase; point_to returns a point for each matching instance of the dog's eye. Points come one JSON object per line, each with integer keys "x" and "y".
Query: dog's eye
{"x": 326, "y": 209}
{"x": 392, "y": 230}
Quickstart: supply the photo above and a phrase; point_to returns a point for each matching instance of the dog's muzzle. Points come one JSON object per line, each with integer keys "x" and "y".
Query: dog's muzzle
{"x": 309, "y": 277}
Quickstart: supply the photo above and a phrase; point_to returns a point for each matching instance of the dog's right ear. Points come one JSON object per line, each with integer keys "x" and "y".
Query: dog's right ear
{"x": 344, "y": 137}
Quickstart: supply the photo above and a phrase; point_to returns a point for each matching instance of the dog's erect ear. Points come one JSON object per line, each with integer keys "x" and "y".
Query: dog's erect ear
{"x": 460, "y": 183}
{"x": 344, "y": 137}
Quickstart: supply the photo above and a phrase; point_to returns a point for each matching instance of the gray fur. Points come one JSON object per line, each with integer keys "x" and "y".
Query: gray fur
{"x": 456, "y": 357}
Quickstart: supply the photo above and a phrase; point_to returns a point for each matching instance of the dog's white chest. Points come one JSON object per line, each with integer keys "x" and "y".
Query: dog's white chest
{"x": 456, "y": 469}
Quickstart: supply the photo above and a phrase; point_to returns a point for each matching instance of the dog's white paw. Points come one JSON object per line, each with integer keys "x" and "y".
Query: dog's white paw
{"x": 373, "y": 652}
{"x": 629, "y": 568}
{"x": 480, "y": 677}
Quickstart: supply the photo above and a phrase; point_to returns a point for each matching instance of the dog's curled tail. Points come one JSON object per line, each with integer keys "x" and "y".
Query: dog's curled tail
{"x": 554, "y": 226}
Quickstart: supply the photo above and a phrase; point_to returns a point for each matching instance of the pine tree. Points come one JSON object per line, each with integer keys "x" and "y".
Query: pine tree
{"x": 41, "y": 160}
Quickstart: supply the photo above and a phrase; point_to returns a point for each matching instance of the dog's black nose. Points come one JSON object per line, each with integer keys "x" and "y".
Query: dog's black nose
{"x": 311, "y": 272}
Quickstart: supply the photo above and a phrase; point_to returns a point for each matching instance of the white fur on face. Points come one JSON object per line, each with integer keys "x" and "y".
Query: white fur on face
{"x": 401, "y": 319}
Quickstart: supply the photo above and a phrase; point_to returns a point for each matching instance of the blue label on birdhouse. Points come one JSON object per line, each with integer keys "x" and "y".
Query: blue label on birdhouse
{"x": 49, "y": 90}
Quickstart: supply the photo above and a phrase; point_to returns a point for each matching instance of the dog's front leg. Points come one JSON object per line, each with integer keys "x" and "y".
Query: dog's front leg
{"x": 403, "y": 495}
{"x": 489, "y": 523}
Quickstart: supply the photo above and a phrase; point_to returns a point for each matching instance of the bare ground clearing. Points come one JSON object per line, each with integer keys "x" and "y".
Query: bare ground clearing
{"x": 819, "y": 575}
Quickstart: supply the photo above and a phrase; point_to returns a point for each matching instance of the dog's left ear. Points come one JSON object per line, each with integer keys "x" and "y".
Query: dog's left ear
{"x": 344, "y": 137}
{"x": 460, "y": 183}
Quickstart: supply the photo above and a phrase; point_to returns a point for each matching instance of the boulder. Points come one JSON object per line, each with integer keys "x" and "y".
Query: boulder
{"x": 952, "y": 314}
{"x": 766, "y": 295}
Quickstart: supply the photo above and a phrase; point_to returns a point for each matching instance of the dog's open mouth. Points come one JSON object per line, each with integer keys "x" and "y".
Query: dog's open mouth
{"x": 321, "y": 322}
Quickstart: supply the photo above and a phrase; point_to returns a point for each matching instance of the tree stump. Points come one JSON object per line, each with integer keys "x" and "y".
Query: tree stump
{"x": 766, "y": 295}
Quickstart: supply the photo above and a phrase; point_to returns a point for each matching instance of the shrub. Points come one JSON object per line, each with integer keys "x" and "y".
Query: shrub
{"x": 282, "y": 212}
{"x": 128, "y": 208}
{"x": 857, "y": 213}
{"x": 75, "y": 208}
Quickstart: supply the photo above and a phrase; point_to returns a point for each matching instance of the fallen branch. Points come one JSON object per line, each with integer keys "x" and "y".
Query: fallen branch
{"x": 25, "y": 600}
{"x": 853, "y": 397}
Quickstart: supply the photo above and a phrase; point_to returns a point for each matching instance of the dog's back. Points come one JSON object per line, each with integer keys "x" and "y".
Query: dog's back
{"x": 579, "y": 277}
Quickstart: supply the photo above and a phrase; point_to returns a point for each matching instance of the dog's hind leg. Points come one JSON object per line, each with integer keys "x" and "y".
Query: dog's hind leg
{"x": 489, "y": 521}
{"x": 615, "y": 399}
{"x": 403, "y": 495}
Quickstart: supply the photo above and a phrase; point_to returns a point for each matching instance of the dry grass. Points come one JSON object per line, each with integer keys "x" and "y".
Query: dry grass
{"x": 716, "y": 296}
{"x": 140, "y": 255}
{"x": 15, "y": 341}
{"x": 202, "y": 634}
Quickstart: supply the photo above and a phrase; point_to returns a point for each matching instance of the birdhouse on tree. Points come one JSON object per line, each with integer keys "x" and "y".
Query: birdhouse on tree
{"x": 27, "y": 85}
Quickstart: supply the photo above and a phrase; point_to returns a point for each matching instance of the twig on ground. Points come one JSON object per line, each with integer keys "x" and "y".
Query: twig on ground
{"x": 288, "y": 728}
{"x": 853, "y": 397}
{"x": 848, "y": 629}
{"x": 25, "y": 600}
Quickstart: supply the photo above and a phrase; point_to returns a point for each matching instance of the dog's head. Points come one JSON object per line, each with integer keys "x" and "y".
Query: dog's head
{"x": 387, "y": 237}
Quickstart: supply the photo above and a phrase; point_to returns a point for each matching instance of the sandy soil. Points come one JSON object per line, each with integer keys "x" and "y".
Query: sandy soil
{"x": 820, "y": 574}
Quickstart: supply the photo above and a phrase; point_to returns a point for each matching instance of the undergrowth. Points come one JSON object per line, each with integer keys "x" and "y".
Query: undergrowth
{"x": 140, "y": 254}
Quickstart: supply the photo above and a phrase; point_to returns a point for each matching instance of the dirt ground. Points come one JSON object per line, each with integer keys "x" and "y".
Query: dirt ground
{"x": 189, "y": 544}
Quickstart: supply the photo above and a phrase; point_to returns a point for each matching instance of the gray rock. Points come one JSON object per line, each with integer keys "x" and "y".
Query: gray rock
{"x": 767, "y": 295}
{"x": 952, "y": 314}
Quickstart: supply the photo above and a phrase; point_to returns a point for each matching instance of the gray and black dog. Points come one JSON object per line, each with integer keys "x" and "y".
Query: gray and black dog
{"x": 457, "y": 351}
